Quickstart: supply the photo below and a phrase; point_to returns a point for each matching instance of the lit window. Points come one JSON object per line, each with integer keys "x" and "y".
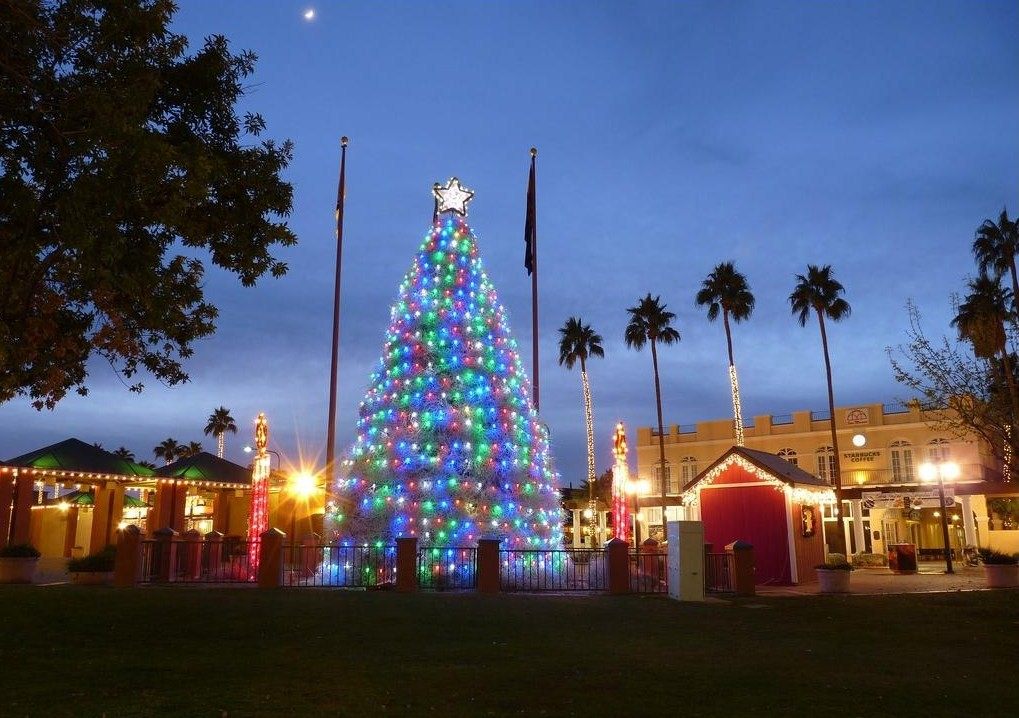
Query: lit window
{"x": 902, "y": 461}
{"x": 937, "y": 451}
{"x": 688, "y": 472}
{"x": 789, "y": 455}
{"x": 656, "y": 481}
{"x": 825, "y": 463}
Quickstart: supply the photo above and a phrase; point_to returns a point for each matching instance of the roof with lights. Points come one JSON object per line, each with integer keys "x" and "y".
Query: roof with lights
{"x": 204, "y": 466}
{"x": 776, "y": 466}
{"x": 74, "y": 455}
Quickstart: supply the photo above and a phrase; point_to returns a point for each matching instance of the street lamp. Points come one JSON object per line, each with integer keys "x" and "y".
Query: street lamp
{"x": 279, "y": 459}
{"x": 941, "y": 471}
{"x": 635, "y": 488}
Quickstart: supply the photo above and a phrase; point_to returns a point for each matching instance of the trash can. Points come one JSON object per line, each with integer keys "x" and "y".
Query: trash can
{"x": 902, "y": 558}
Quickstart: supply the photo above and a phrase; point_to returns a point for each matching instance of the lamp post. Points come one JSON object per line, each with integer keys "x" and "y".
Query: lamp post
{"x": 279, "y": 459}
{"x": 940, "y": 471}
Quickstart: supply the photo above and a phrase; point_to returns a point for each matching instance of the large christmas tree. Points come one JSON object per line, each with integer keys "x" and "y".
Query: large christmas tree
{"x": 449, "y": 448}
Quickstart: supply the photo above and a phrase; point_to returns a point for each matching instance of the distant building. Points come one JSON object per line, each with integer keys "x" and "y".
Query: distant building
{"x": 884, "y": 500}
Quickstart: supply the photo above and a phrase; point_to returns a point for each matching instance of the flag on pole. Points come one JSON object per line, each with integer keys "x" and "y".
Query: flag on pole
{"x": 530, "y": 223}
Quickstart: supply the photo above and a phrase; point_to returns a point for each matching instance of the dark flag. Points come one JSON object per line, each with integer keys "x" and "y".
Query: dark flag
{"x": 530, "y": 224}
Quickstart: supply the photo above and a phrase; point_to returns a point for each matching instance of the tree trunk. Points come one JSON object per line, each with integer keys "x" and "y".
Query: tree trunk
{"x": 737, "y": 409}
{"x": 591, "y": 474}
{"x": 840, "y": 536}
{"x": 661, "y": 432}
{"x": 1015, "y": 282}
{"x": 1013, "y": 394}
{"x": 220, "y": 444}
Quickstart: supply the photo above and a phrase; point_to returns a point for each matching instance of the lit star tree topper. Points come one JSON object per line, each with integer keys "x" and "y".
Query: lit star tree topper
{"x": 453, "y": 197}
{"x": 448, "y": 446}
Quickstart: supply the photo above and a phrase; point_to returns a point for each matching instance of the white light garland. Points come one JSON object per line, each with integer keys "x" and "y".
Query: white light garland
{"x": 798, "y": 494}
{"x": 737, "y": 409}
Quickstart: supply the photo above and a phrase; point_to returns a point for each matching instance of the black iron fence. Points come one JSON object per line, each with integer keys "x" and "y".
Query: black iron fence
{"x": 339, "y": 566}
{"x": 719, "y": 573}
{"x": 553, "y": 570}
{"x": 225, "y": 561}
{"x": 447, "y": 568}
{"x": 649, "y": 572}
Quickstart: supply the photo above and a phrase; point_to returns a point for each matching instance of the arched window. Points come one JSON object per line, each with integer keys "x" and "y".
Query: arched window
{"x": 825, "y": 463}
{"x": 789, "y": 455}
{"x": 688, "y": 471}
{"x": 938, "y": 451}
{"x": 902, "y": 461}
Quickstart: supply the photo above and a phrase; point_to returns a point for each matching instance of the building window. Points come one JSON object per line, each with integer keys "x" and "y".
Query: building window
{"x": 938, "y": 451}
{"x": 656, "y": 481}
{"x": 902, "y": 461}
{"x": 688, "y": 471}
{"x": 653, "y": 514}
{"x": 789, "y": 455}
{"x": 825, "y": 463}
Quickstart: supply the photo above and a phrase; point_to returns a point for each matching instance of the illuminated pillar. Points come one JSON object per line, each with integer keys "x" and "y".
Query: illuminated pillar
{"x": 620, "y": 479}
{"x": 258, "y": 514}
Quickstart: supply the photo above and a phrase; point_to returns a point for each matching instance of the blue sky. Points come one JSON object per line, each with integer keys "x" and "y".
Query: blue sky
{"x": 672, "y": 136}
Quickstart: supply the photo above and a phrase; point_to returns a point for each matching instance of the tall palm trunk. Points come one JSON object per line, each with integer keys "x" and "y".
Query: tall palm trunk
{"x": 661, "y": 431}
{"x": 1013, "y": 394}
{"x": 737, "y": 409}
{"x": 220, "y": 443}
{"x": 840, "y": 538}
{"x": 589, "y": 423}
{"x": 1015, "y": 279}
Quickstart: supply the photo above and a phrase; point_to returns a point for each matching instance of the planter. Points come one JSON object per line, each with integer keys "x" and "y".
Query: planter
{"x": 833, "y": 580}
{"x": 17, "y": 570}
{"x": 92, "y": 578}
{"x": 1001, "y": 575}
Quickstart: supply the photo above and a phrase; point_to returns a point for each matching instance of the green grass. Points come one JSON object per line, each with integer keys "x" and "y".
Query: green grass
{"x": 88, "y": 651}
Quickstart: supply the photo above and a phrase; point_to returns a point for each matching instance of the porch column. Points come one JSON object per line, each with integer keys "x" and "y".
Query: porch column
{"x": 108, "y": 511}
{"x": 857, "y": 513}
{"x": 969, "y": 524}
{"x": 578, "y": 530}
{"x": 71, "y": 532}
{"x": 845, "y": 532}
{"x": 24, "y": 495}
{"x": 177, "y": 501}
{"x": 6, "y": 499}
{"x": 221, "y": 511}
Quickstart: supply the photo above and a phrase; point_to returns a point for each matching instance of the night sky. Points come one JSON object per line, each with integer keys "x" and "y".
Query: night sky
{"x": 872, "y": 136}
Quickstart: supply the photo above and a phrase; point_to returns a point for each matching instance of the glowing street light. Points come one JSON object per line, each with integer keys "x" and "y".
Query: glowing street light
{"x": 939, "y": 472}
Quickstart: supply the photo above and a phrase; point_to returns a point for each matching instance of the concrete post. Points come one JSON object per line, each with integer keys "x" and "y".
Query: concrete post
{"x": 488, "y": 566}
{"x": 270, "y": 562}
{"x": 743, "y": 565}
{"x": 969, "y": 523}
{"x": 192, "y": 545}
{"x": 128, "y": 563}
{"x": 406, "y": 564}
{"x": 165, "y": 554}
{"x": 649, "y": 562}
{"x": 213, "y": 552}
{"x": 617, "y": 553}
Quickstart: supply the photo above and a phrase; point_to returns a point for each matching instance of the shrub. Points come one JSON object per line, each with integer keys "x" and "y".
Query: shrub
{"x": 990, "y": 557}
{"x": 100, "y": 562}
{"x": 870, "y": 560}
{"x": 21, "y": 550}
{"x": 835, "y": 562}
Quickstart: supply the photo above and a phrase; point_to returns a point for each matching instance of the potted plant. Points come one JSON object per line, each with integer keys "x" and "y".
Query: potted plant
{"x": 833, "y": 574}
{"x": 1000, "y": 569}
{"x": 17, "y": 563}
{"x": 94, "y": 569}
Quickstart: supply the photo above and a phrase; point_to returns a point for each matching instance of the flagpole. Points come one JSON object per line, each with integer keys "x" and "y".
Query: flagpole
{"x": 534, "y": 286}
{"x": 331, "y": 429}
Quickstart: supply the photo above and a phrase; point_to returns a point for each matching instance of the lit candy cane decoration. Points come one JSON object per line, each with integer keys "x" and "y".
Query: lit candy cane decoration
{"x": 258, "y": 513}
{"x": 620, "y": 479}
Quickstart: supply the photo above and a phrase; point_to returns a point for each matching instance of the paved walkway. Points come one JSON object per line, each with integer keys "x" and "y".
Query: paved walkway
{"x": 875, "y": 581}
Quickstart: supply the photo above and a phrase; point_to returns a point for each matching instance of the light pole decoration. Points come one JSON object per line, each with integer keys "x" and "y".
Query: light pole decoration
{"x": 258, "y": 512}
{"x": 620, "y": 479}
{"x": 941, "y": 471}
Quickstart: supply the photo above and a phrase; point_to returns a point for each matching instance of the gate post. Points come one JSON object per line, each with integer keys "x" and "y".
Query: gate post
{"x": 743, "y": 567}
{"x": 166, "y": 554}
{"x": 270, "y": 561}
{"x": 488, "y": 566}
{"x": 213, "y": 553}
{"x": 617, "y": 554}
{"x": 192, "y": 554}
{"x": 406, "y": 564}
{"x": 127, "y": 564}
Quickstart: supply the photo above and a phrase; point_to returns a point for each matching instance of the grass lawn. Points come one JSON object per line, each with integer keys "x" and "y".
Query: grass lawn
{"x": 89, "y": 651}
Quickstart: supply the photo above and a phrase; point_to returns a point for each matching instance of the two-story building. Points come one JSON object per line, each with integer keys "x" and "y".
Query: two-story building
{"x": 881, "y": 448}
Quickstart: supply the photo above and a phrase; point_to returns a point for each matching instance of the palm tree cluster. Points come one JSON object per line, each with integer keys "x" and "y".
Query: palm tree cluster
{"x": 218, "y": 424}
{"x": 724, "y": 293}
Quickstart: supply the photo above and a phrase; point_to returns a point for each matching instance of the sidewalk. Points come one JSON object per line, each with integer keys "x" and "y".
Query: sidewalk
{"x": 876, "y": 581}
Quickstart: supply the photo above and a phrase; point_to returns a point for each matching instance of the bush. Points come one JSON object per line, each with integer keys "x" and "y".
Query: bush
{"x": 101, "y": 562}
{"x": 870, "y": 560}
{"x": 990, "y": 557}
{"x": 835, "y": 562}
{"x": 21, "y": 550}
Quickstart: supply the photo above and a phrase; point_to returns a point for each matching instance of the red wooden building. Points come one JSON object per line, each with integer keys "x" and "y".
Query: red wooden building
{"x": 757, "y": 497}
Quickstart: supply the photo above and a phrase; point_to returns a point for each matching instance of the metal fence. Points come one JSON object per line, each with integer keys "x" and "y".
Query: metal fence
{"x": 339, "y": 566}
{"x": 447, "y": 568}
{"x": 553, "y": 570}
{"x": 719, "y": 573}
{"x": 197, "y": 561}
{"x": 649, "y": 572}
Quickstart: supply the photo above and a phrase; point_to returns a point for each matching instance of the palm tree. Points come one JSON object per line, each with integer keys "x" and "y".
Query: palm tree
{"x": 579, "y": 342}
{"x": 124, "y": 453}
{"x": 189, "y": 449}
{"x": 219, "y": 423}
{"x": 819, "y": 292}
{"x": 995, "y": 245}
{"x": 981, "y": 318}
{"x": 726, "y": 292}
{"x": 146, "y": 464}
{"x": 650, "y": 322}
{"x": 167, "y": 450}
